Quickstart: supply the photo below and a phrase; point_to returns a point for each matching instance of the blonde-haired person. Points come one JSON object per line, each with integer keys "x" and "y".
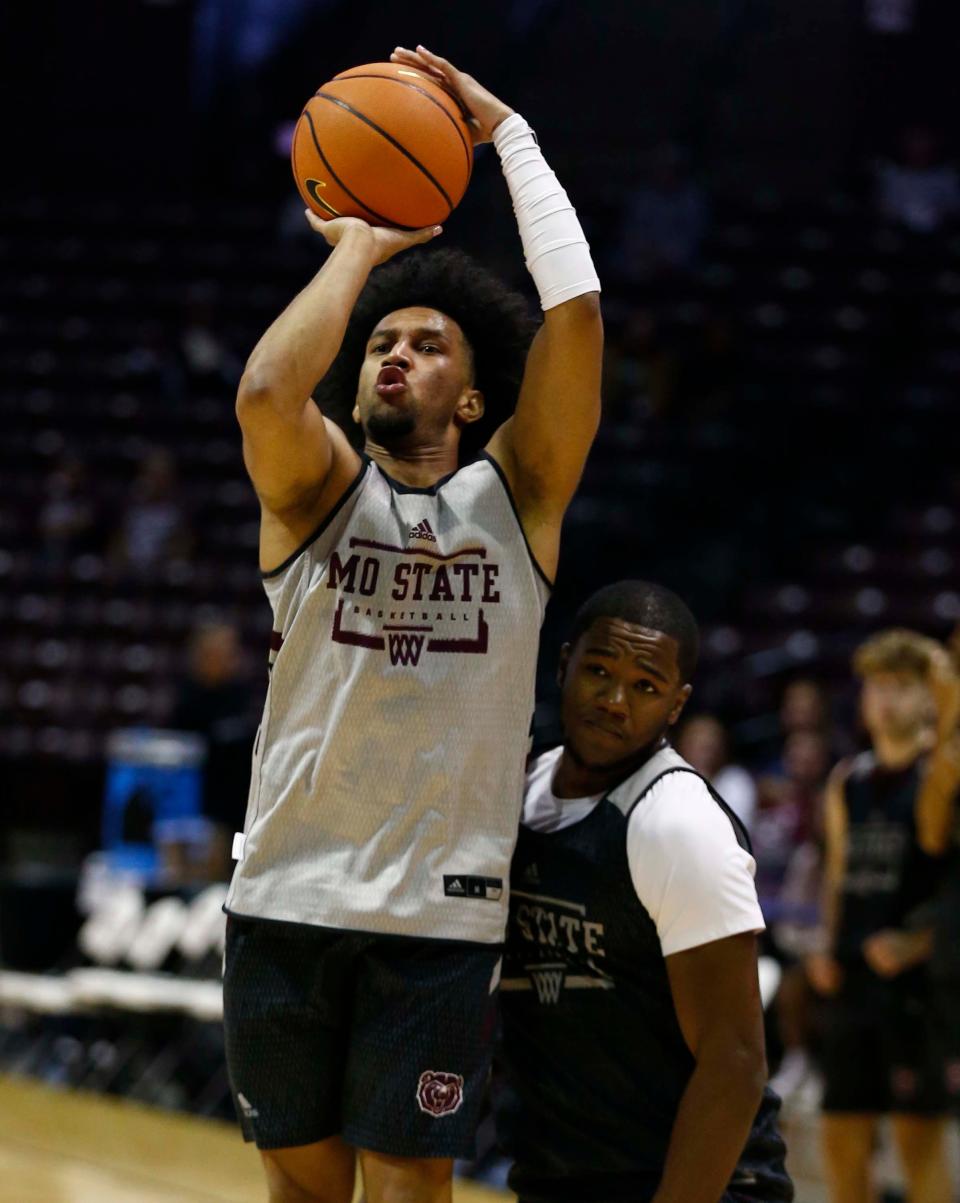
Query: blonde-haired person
{"x": 879, "y": 1056}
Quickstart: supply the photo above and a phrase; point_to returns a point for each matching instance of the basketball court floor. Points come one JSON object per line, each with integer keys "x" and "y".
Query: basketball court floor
{"x": 61, "y": 1146}
{"x": 58, "y": 1146}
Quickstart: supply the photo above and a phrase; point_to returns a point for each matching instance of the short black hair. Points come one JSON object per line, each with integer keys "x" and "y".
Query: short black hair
{"x": 645, "y": 605}
{"x": 496, "y": 323}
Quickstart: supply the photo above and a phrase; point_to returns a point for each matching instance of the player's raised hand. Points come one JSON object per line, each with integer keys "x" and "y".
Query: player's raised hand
{"x": 384, "y": 242}
{"x": 944, "y": 681}
{"x": 889, "y": 952}
{"x": 953, "y": 646}
{"x": 486, "y": 111}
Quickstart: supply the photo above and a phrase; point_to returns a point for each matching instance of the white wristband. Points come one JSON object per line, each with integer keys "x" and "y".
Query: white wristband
{"x": 554, "y": 244}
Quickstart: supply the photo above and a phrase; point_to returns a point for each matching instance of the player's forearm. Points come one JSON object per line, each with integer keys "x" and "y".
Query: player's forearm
{"x": 937, "y": 799}
{"x": 558, "y": 409}
{"x": 712, "y": 1125}
{"x": 916, "y": 947}
{"x": 297, "y": 350}
{"x": 554, "y": 244}
{"x": 826, "y": 940}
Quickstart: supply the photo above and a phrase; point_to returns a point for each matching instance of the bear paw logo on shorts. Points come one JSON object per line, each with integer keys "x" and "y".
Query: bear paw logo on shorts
{"x": 439, "y": 1093}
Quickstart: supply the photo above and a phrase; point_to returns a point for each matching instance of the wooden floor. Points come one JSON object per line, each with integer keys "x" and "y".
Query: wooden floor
{"x": 58, "y": 1146}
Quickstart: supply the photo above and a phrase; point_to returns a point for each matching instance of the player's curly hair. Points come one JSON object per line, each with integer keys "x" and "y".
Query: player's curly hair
{"x": 495, "y": 320}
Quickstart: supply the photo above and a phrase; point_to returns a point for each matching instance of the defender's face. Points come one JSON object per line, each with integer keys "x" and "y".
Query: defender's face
{"x": 416, "y": 377}
{"x": 621, "y": 691}
{"x": 894, "y": 704}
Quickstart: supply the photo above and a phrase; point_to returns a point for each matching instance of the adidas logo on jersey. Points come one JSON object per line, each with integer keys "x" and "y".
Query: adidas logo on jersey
{"x": 423, "y": 530}
{"x": 531, "y": 874}
{"x": 470, "y": 885}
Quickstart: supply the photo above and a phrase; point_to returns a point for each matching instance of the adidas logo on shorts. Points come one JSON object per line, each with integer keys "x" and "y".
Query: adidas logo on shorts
{"x": 246, "y": 1106}
{"x": 423, "y": 530}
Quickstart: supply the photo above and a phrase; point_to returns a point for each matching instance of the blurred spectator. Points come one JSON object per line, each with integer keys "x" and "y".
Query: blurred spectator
{"x": 919, "y": 190}
{"x": 704, "y": 743}
{"x": 664, "y": 221}
{"x": 215, "y": 700}
{"x": 804, "y": 707}
{"x": 792, "y": 936}
{"x": 787, "y": 839}
{"x": 788, "y": 811}
{"x": 67, "y": 519}
{"x": 785, "y": 836}
{"x": 154, "y": 527}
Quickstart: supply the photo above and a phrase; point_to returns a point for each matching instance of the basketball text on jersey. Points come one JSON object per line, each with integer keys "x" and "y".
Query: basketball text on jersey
{"x": 563, "y": 942}
{"x": 444, "y": 593}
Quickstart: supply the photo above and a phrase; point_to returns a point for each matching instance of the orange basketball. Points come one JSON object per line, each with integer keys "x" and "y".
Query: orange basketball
{"x": 385, "y": 143}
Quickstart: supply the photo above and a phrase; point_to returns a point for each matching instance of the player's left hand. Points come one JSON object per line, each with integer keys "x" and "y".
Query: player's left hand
{"x": 384, "y": 242}
{"x": 485, "y": 109}
{"x": 890, "y": 952}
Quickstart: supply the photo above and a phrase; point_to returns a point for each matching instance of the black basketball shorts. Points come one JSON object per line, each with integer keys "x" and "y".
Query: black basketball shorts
{"x": 383, "y": 1040}
{"x": 879, "y": 1053}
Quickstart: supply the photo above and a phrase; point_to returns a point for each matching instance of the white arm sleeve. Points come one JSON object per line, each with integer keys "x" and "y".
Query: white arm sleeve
{"x": 693, "y": 878}
{"x": 554, "y": 244}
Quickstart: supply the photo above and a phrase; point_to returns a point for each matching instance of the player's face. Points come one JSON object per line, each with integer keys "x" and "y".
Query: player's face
{"x": 416, "y": 381}
{"x": 896, "y": 705}
{"x": 622, "y": 690}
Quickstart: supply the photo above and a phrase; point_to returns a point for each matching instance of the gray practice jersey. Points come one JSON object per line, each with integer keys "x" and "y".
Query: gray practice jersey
{"x": 388, "y": 771}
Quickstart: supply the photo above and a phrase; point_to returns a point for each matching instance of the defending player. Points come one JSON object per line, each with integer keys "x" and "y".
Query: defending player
{"x": 368, "y": 906}
{"x": 632, "y": 1024}
{"x": 878, "y": 1055}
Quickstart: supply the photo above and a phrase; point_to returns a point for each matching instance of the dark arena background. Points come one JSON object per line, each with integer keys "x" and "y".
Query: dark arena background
{"x": 771, "y": 194}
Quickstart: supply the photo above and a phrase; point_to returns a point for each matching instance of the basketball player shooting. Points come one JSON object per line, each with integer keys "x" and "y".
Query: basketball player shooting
{"x": 367, "y": 909}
